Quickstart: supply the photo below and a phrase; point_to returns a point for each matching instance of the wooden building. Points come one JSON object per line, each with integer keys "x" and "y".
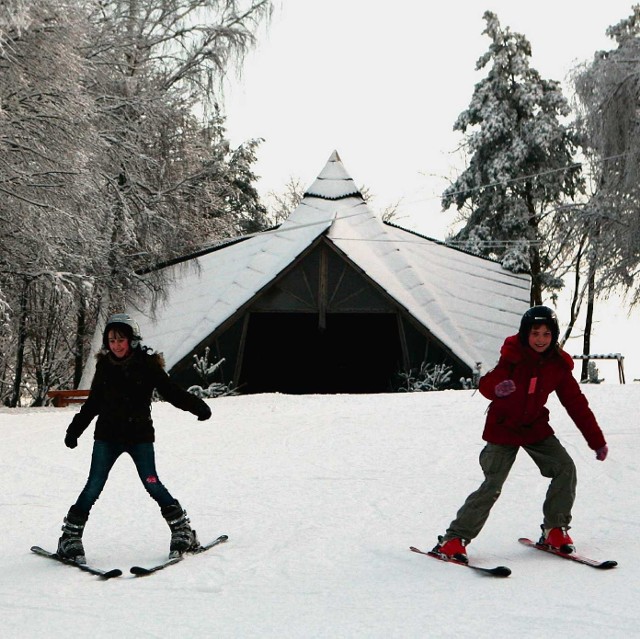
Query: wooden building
{"x": 333, "y": 300}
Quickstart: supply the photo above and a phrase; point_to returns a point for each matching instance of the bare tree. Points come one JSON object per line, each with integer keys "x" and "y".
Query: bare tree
{"x": 47, "y": 144}
{"x": 113, "y": 158}
{"x": 608, "y": 92}
{"x": 281, "y": 205}
{"x": 167, "y": 178}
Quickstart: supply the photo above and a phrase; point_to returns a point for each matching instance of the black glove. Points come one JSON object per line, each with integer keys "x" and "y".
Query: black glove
{"x": 204, "y": 412}
{"x": 70, "y": 441}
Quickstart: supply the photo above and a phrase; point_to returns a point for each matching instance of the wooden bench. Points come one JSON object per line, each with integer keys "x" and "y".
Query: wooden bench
{"x": 62, "y": 398}
{"x": 617, "y": 356}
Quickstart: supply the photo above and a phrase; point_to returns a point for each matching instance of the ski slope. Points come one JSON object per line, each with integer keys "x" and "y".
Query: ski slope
{"x": 321, "y": 497}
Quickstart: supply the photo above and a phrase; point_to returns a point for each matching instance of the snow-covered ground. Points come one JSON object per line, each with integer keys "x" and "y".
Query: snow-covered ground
{"x": 321, "y": 497}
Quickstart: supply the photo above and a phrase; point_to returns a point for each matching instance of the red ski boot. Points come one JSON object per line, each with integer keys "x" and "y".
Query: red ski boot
{"x": 557, "y": 538}
{"x": 453, "y": 548}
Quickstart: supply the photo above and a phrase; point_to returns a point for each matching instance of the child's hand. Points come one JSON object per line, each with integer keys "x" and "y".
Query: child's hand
{"x": 204, "y": 413}
{"x": 601, "y": 453}
{"x": 70, "y": 441}
{"x": 505, "y": 388}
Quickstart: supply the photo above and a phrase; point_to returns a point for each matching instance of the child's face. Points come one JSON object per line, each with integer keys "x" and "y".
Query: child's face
{"x": 540, "y": 338}
{"x": 118, "y": 344}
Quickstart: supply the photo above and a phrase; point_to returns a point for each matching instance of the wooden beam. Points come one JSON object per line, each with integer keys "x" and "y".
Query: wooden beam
{"x": 243, "y": 340}
{"x": 323, "y": 287}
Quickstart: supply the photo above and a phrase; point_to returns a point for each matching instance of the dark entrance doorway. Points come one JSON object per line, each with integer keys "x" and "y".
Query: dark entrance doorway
{"x": 287, "y": 353}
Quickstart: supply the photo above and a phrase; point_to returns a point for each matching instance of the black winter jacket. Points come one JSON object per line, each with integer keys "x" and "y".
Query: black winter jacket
{"x": 121, "y": 397}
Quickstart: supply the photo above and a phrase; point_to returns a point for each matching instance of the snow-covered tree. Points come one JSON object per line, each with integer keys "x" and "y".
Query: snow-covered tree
{"x": 113, "y": 158}
{"x": 206, "y": 370}
{"x": 48, "y": 148}
{"x": 429, "y": 377}
{"x": 521, "y": 168}
{"x": 281, "y": 205}
{"x": 608, "y": 96}
{"x": 167, "y": 177}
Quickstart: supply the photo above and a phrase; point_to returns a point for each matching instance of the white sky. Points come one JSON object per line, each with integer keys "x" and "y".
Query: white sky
{"x": 383, "y": 83}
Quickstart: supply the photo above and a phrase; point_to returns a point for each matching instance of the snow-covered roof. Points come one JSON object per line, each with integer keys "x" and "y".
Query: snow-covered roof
{"x": 467, "y": 302}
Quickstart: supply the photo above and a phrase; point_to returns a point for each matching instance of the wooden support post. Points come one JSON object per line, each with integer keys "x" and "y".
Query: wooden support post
{"x": 323, "y": 287}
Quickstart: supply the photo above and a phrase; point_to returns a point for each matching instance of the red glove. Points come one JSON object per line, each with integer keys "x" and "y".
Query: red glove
{"x": 505, "y": 388}
{"x": 601, "y": 453}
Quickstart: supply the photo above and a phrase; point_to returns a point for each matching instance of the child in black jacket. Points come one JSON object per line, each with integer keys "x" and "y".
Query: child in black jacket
{"x": 126, "y": 375}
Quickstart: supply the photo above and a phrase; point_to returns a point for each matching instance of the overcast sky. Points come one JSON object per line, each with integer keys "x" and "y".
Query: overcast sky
{"x": 383, "y": 83}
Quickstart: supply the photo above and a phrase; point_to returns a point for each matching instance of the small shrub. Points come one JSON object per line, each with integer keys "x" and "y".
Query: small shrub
{"x": 430, "y": 377}
{"x": 205, "y": 371}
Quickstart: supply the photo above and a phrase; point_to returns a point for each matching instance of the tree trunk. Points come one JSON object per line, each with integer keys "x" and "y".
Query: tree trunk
{"x": 576, "y": 299}
{"x": 536, "y": 287}
{"x": 22, "y": 339}
{"x": 586, "y": 345}
{"x": 78, "y": 357}
{"x": 534, "y": 257}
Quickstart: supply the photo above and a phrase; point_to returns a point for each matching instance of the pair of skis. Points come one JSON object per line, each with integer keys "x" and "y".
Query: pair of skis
{"x": 138, "y": 571}
{"x": 503, "y": 571}
{"x": 498, "y": 571}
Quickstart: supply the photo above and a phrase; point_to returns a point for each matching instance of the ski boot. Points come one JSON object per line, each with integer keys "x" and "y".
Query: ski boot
{"x": 70, "y": 543}
{"x": 183, "y": 537}
{"x": 557, "y": 538}
{"x": 452, "y": 548}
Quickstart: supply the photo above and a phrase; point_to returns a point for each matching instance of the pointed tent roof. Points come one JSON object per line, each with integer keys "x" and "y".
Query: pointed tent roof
{"x": 467, "y": 302}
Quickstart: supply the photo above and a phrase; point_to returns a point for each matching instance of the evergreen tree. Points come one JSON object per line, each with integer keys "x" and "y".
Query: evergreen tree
{"x": 521, "y": 166}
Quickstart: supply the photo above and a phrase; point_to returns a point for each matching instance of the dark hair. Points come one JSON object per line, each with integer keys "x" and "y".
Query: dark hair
{"x": 539, "y": 315}
{"x": 120, "y": 329}
{"x": 126, "y": 326}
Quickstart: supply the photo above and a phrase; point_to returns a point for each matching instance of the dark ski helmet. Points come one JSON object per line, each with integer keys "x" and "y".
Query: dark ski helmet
{"x": 539, "y": 315}
{"x": 124, "y": 323}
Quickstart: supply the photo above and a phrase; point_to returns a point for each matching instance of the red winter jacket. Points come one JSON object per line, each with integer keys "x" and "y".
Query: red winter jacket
{"x": 522, "y": 418}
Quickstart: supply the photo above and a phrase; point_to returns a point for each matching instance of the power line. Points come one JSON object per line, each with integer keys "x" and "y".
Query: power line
{"x": 509, "y": 181}
{"x": 453, "y": 243}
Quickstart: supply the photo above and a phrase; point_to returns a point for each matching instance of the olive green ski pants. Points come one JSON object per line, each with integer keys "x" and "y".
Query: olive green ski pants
{"x": 496, "y": 461}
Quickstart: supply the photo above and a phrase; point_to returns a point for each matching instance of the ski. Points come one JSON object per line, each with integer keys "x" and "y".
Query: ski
{"x": 580, "y": 559}
{"x": 498, "y": 571}
{"x": 103, "y": 574}
{"x": 140, "y": 571}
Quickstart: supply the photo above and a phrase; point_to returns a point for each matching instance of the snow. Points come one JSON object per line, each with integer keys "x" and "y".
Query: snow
{"x": 321, "y": 496}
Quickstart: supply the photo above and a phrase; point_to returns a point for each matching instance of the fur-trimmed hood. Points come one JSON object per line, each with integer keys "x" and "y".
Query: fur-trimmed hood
{"x": 156, "y": 358}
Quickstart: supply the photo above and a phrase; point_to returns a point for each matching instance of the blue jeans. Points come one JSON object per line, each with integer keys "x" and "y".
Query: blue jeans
{"x": 103, "y": 458}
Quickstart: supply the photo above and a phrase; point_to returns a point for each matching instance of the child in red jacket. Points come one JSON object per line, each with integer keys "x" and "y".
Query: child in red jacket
{"x": 532, "y": 365}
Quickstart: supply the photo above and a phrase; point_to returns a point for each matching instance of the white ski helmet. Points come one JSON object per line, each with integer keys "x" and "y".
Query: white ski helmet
{"x": 125, "y": 323}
